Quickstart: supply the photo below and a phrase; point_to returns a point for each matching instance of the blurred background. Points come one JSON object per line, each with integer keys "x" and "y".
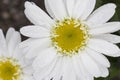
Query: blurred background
{"x": 12, "y": 15}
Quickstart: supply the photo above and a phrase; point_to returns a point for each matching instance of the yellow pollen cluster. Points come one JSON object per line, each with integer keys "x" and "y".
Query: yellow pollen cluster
{"x": 9, "y": 69}
{"x": 69, "y": 36}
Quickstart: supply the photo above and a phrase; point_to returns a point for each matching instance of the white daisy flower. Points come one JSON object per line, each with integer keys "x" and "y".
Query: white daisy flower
{"x": 72, "y": 42}
{"x": 12, "y": 63}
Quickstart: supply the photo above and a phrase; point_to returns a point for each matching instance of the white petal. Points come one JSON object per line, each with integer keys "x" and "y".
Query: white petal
{"x": 44, "y": 72}
{"x": 14, "y": 42}
{"x": 28, "y": 70}
{"x": 56, "y": 7}
{"x": 3, "y": 45}
{"x": 98, "y": 57}
{"x": 35, "y": 32}
{"x": 70, "y": 6}
{"x": 103, "y": 47}
{"x": 28, "y": 77}
{"x": 9, "y": 34}
{"x": 36, "y": 15}
{"x": 79, "y": 8}
{"x": 49, "y": 10}
{"x": 18, "y": 53}
{"x": 68, "y": 71}
{"x": 69, "y": 75}
{"x": 80, "y": 71}
{"x": 116, "y": 55}
{"x": 55, "y": 74}
{"x": 85, "y": 75}
{"x": 30, "y": 42}
{"x": 102, "y": 14}
{"x": 104, "y": 70}
{"x": 106, "y": 28}
{"x": 27, "y": 42}
{"x": 109, "y": 37}
{"x": 90, "y": 65}
{"x": 44, "y": 58}
{"x": 89, "y": 8}
{"x": 36, "y": 47}
{"x": 76, "y": 67}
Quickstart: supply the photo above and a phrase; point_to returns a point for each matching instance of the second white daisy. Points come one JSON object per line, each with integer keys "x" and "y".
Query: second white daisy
{"x": 13, "y": 66}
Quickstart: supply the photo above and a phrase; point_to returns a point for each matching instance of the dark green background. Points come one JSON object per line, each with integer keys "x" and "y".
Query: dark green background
{"x": 12, "y": 15}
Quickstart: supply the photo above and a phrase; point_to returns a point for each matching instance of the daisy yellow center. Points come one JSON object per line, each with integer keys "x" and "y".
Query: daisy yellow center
{"x": 69, "y": 36}
{"x": 9, "y": 69}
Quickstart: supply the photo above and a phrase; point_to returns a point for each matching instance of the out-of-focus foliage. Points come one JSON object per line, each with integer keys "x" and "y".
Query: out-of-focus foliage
{"x": 115, "y": 62}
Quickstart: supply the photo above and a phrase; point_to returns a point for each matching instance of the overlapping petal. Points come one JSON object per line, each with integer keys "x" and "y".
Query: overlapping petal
{"x": 102, "y": 14}
{"x": 109, "y": 27}
{"x": 3, "y": 44}
{"x": 35, "y": 32}
{"x": 44, "y": 58}
{"x": 36, "y": 15}
{"x": 104, "y": 47}
{"x": 56, "y": 8}
{"x": 109, "y": 37}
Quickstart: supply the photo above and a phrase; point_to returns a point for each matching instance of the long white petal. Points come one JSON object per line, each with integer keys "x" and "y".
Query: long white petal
{"x": 44, "y": 72}
{"x": 28, "y": 77}
{"x": 57, "y": 8}
{"x": 70, "y": 6}
{"x": 49, "y": 10}
{"x": 3, "y": 45}
{"x": 104, "y": 71}
{"x": 80, "y": 71}
{"x": 14, "y": 42}
{"x": 103, "y": 47}
{"x": 79, "y": 8}
{"x": 9, "y": 34}
{"x": 76, "y": 66}
{"x": 109, "y": 37}
{"x": 90, "y": 65}
{"x": 36, "y": 47}
{"x": 68, "y": 71}
{"x": 35, "y": 32}
{"x": 89, "y": 8}
{"x": 44, "y": 58}
{"x": 98, "y": 57}
{"x": 85, "y": 74}
{"x": 36, "y": 15}
{"x": 56, "y": 72}
{"x": 28, "y": 70}
{"x": 106, "y": 28}
{"x": 19, "y": 55}
{"x": 102, "y": 14}
{"x": 27, "y": 42}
